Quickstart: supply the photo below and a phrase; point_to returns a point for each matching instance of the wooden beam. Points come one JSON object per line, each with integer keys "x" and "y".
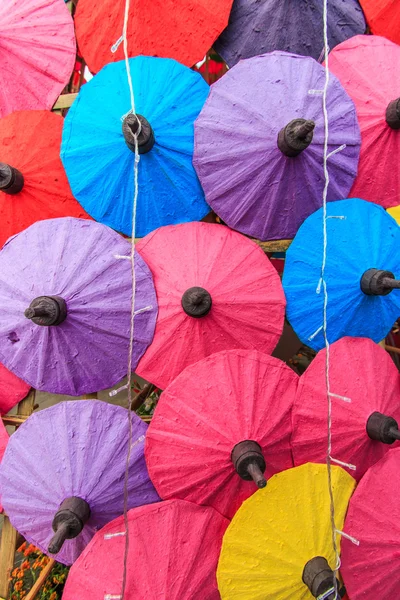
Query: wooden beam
{"x": 392, "y": 349}
{"x": 65, "y": 101}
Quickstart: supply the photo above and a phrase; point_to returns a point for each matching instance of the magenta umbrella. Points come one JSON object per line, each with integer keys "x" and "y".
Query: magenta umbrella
{"x": 259, "y": 144}
{"x": 62, "y": 475}
{"x": 365, "y": 394}
{"x": 65, "y": 306}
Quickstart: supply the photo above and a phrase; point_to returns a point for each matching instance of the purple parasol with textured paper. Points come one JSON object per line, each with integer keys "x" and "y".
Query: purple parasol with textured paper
{"x": 258, "y": 26}
{"x": 259, "y": 144}
{"x": 65, "y": 306}
{"x": 62, "y": 475}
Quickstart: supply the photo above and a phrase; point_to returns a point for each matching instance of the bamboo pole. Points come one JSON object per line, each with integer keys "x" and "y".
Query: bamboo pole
{"x": 41, "y": 580}
{"x": 392, "y": 349}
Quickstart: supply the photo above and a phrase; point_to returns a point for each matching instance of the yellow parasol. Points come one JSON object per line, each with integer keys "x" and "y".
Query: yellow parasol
{"x": 395, "y": 213}
{"x": 278, "y": 531}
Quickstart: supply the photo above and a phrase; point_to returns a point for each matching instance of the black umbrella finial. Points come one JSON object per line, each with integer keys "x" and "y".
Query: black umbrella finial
{"x": 130, "y": 128}
{"x": 383, "y": 428}
{"x": 318, "y": 577}
{"x": 393, "y": 114}
{"x": 47, "y": 310}
{"x": 295, "y": 137}
{"x": 196, "y": 302}
{"x": 249, "y": 462}
{"x": 377, "y": 282}
{"x": 68, "y": 522}
{"x": 11, "y": 180}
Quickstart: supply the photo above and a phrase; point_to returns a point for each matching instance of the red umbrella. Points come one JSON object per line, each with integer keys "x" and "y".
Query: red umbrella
{"x": 173, "y": 554}
{"x": 383, "y": 17}
{"x": 216, "y": 290}
{"x": 33, "y": 183}
{"x": 368, "y": 67}
{"x": 371, "y": 569}
{"x": 222, "y": 423}
{"x": 365, "y": 394}
{"x": 3, "y": 444}
{"x": 12, "y": 390}
{"x": 184, "y": 30}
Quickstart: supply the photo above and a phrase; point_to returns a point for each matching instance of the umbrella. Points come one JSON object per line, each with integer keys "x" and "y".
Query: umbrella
{"x": 173, "y": 553}
{"x": 12, "y": 390}
{"x": 365, "y": 388}
{"x": 33, "y": 182}
{"x": 279, "y": 543}
{"x": 362, "y": 258}
{"x": 383, "y": 17}
{"x": 368, "y": 67}
{"x": 62, "y": 475}
{"x": 256, "y": 27}
{"x": 395, "y": 213}
{"x": 182, "y": 30}
{"x": 259, "y": 144}
{"x": 221, "y": 428}
{"x": 98, "y": 145}
{"x": 372, "y": 568}
{"x": 65, "y": 306}
{"x": 37, "y": 53}
{"x": 216, "y": 290}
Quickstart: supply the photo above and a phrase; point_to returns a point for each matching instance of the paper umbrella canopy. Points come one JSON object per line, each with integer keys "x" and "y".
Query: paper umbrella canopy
{"x": 222, "y": 428}
{"x": 62, "y": 475}
{"x": 362, "y": 263}
{"x": 383, "y": 17}
{"x": 216, "y": 290}
{"x": 173, "y": 553}
{"x": 256, "y": 27}
{"x": 371, "y": 568}
{"x": 37, "y": 53}
{"x": 279, "y": 543}
{"x": 12, "y": 390}
{"x": 365, "y": 395}
{"x": 184, "y": 30}
{"x": 368, "y": 67}
{"x": 259, "y": 144}
{"x": 33, "y": 183}
{"x": 65, "y": 306}
{"x": 98, "y": 148}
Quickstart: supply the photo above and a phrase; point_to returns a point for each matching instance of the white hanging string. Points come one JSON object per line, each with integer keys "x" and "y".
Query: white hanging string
{"x": 325, "y": 293}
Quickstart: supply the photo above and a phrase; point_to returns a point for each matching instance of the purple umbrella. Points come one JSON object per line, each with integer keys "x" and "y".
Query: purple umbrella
{"x": 258, "y": 26}
{"x": 259, "y": 144}
{"x": 65, "y": 305}
{"x": 62, "y": 475}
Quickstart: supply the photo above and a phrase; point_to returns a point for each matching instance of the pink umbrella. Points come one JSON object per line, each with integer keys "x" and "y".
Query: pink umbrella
{"x": 371, "y": 569}
{"x": 221, "y": 429}
{"x": 368, "y": 67}
{"x": 365, "y": 393}
{"x": 216, "y": 290}
{"x": 37, "y": 53}
{"x": 12, "y": 390}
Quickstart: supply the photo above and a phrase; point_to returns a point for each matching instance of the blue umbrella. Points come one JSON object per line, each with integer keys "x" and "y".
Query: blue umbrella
{"x": 98, "y": 145}
{"x": 363, "y": 260}
{"x": 259, "y": 26}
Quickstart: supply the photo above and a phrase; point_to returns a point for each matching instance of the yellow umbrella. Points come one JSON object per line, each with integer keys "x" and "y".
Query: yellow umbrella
{"x": 395, "y": 212}
{"x": 278, "y": 530}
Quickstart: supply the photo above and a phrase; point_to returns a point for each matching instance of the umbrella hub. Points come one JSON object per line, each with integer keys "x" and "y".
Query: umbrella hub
{"x": 47, "y": 310}
{"x": 196, "y": 302}
{"x": 249, "y": 462}
{"x": 318, "y": 577}
{"x": 11, "y": 180}
{"x": 382, "y": 428}
{"x": 295, "y": 137}
{"x": 393, "y": 114}
{"x": 376, "y": 282}
{"x": 130, "y": 128}
{"x": 68, "y": 522}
